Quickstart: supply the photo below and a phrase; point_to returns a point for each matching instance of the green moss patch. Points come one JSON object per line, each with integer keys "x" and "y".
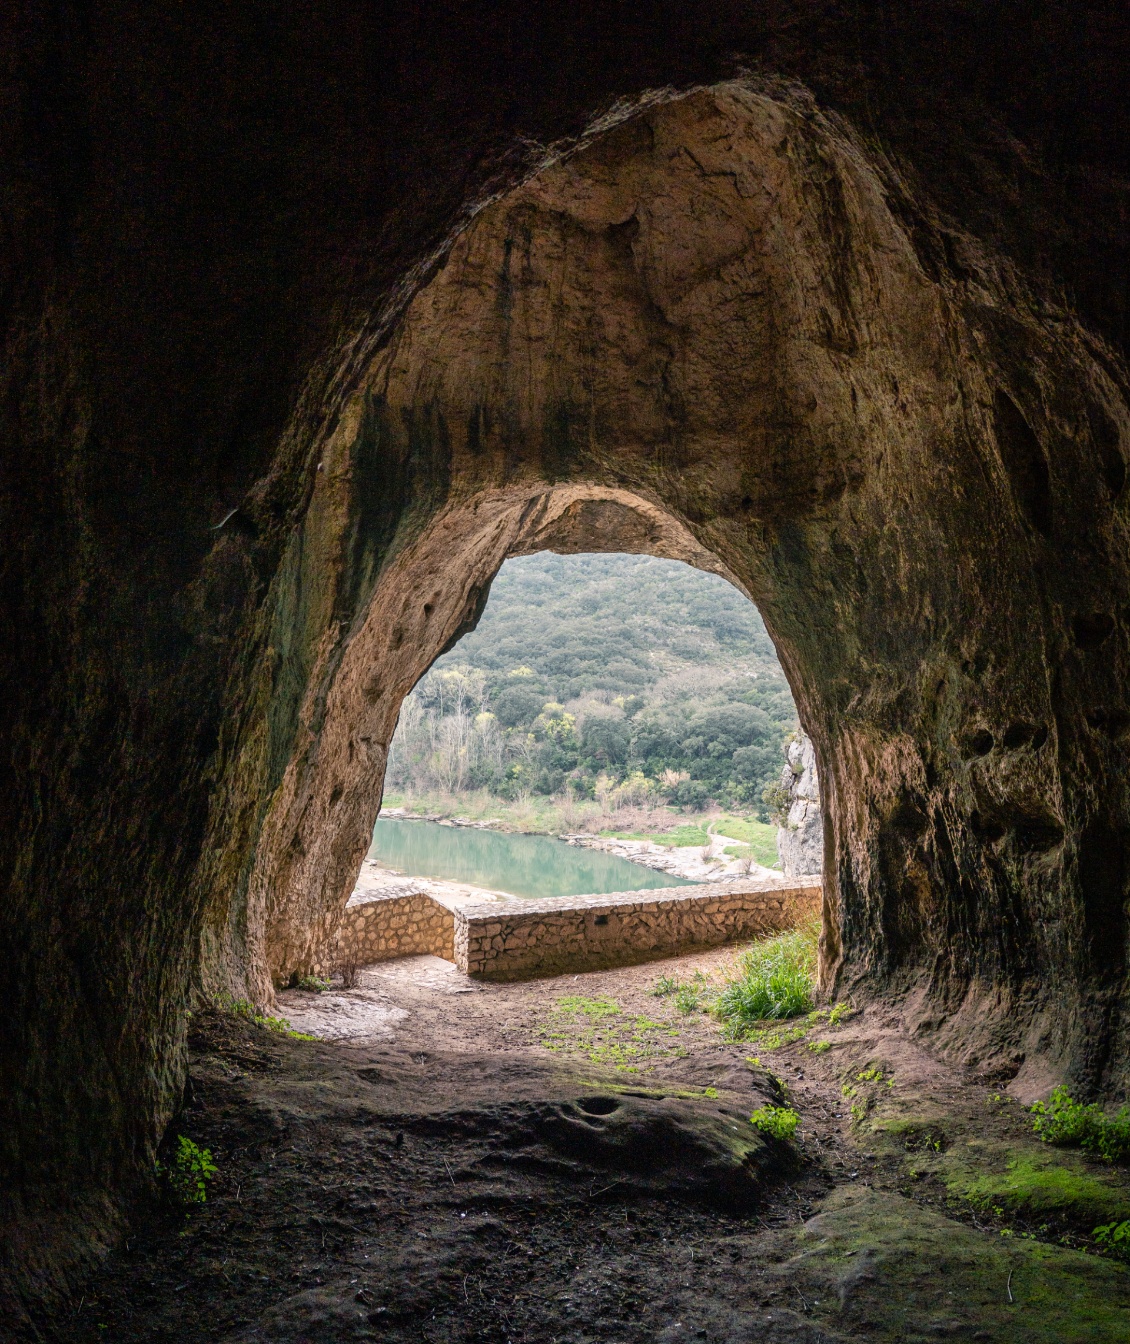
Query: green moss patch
{"x": 1043, "y": 1188}
{"x": 878, "y": 1263}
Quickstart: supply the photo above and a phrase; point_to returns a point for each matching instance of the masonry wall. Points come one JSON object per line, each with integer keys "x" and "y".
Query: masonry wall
{"x": 523, "y": 939}
{"x": 397, "y": 926}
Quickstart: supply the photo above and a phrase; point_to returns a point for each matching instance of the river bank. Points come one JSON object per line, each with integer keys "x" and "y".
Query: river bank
{"x": 707, "y": 846}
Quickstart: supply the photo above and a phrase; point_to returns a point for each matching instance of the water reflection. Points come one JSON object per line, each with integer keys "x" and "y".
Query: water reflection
{"x": 523, "y": 865}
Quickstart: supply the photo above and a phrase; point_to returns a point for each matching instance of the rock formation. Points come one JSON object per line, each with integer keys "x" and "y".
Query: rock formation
{"x": 800, "y": 836}
{"x": 308, "y": 325}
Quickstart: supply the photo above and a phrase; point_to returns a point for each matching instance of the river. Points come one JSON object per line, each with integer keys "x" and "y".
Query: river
{"x": 523, "y": 865}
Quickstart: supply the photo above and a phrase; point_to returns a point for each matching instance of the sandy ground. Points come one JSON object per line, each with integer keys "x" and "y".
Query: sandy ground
{"x": 570, "y": 1161}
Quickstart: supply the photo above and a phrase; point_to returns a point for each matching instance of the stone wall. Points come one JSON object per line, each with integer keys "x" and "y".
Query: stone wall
{"x": 524, "y": 939}
{"x": 396, "y": 926}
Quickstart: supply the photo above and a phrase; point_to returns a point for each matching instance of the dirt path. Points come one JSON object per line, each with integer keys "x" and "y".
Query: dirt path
{"x": 572, "y": 1160}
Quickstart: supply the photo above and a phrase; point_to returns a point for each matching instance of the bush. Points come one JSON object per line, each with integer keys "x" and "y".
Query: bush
{"x": 188, "y": 1174}
{"x": 1115, "y": 1238}
{"x": 779, "y": 1122}
{"x": 1069, "y": 1123}
{"x": 777, "y": 979}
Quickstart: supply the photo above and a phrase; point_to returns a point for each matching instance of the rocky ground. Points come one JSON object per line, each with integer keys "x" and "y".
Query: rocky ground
{"x": 571, "y": 1160}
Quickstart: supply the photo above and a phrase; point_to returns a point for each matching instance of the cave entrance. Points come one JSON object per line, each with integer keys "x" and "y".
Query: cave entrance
{"x": 592, "y": 746}
{"x": 636, "y": 706}
{"x": 704, "y": 333}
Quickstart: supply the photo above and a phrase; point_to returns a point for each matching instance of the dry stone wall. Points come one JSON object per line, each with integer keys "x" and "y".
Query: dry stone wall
{"x": 525, "y": 939}
{"x": 396, "y": 926}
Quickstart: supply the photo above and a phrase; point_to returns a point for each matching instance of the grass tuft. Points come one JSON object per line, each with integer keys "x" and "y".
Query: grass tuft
{"x": 1070, "y": 1124}
{"x": 776, "y": 979}
{"x": 779, "y": 1122}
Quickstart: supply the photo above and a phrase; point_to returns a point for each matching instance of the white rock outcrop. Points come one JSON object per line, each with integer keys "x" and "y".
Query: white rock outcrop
{"x": 800, "y": 841}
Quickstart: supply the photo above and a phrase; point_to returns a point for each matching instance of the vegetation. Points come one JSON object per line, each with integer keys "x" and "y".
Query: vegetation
{"x": 242, "y": 1008}
{"x": 599, "y": 1030}
{"x": 622, "y": 680}
{"x": 1063, "y": 1121}
{"x": 777, "y": 979}
{"x": 1115, "y": 1238}
{"x": 189, "y": 1172}
{"x": 779, "y": 1122}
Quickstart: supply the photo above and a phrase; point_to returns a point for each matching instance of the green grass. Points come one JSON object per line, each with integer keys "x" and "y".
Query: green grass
{"x": 1060, "y": 1120}
{"x": 757, "y": 837}
{"x": 776, "y": 979}
{"x": 779, "y": 1122}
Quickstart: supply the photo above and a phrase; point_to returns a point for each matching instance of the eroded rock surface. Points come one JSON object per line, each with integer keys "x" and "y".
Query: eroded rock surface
{"x": 800, "y": 837}
{"x": 279, "y": 396}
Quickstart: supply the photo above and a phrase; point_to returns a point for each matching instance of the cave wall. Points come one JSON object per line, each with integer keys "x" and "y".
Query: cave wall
{"x": 211, "y": 224}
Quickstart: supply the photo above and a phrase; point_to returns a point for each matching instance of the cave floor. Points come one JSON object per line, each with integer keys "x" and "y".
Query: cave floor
{"x": 570, "y": 1160}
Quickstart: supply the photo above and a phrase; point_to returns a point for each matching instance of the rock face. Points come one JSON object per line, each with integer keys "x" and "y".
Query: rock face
{"x": 800, "y": 839}
{"x": 292, "y": 363}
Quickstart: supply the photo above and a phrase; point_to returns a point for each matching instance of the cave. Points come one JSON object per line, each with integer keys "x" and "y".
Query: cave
{"x": 311, "y": 324}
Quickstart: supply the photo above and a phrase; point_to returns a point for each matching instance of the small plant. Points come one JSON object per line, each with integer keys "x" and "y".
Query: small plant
{"x": 349, "y": 968}
{"x": 819, "y": 1047}
{"x": 776, "y": 980}
{"x": 665, "y": 985}
{"x": 871, "y": 1075}
{"x": 313, "y": 984}
{"x": 839, "y": 1012}
{"x": 779, "y": 1122}
{"x": 242, "y": 1008}
{"x": 688, "y": 998}
{"x": 593, "y": 1008}
{"x": 189, "y": 1172}
{"x": 1115, "y": 1238}
{"x": 1068, "y": 1123}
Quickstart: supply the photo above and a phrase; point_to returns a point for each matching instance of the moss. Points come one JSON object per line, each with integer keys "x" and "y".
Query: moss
{"x": 906, "y": 1274}
{"x": 1043, "y": 1188}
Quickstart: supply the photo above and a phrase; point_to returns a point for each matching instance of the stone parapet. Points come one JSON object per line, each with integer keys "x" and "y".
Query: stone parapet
{"x": 398, "y": 925}
{"x": 519, "y": 939}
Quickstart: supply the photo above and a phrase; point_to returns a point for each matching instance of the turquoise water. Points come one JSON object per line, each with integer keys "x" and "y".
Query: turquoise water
{"x": 523, "y": 865}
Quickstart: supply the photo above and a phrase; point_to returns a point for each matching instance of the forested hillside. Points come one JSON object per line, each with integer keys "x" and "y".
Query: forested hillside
{"x": 603, "y": 675}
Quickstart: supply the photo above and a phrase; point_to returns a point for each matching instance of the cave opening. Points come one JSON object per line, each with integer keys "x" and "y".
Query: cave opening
{"x": 719, "y": 327}
{"x": 634, "y": 706}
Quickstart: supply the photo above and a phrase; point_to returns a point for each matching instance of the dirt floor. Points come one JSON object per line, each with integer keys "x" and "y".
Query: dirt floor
{"x": 571, "y": 1161}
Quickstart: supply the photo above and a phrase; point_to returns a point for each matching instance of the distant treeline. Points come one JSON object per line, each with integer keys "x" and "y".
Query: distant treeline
{"x": 603, "y": 675}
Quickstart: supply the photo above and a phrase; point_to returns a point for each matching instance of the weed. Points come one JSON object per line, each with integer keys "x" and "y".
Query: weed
{"x": 776, "y": 980}
{"x": 839, "y": 1012}
{"x": 779, "y": 1122}
{"x": 189, "y": 1172}
{"x": 1068, "y": 1123}
{"x": 858, "y": 1111}
{"x": 313, "y": 984}
{"x": 819, "y": 1047}
{"x": 688, "y": 998}
{"x": 242, "y": 1008}
{"x": 665, "y": 985}
{"x": 872, "y": 1075}
{"x": 596, "y": 1009}
{"x": 1115, "y": 1238}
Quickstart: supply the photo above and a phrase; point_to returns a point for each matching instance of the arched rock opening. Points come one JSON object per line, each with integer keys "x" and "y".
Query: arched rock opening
{"x": 706, "y": 333}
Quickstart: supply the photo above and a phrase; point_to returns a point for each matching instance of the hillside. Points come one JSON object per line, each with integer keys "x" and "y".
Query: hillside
{"x": 603, "y": 674}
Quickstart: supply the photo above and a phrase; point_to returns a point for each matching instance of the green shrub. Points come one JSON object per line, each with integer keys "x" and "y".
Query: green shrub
{"x": 1114, "y": 1237}
{"x": 313, "y": 984}
{"x": 779, "y": 1122}
{"x": 189, "y": 1172}
{"x": 1070, "y": 1124}
{"x": 777, "y": 979}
